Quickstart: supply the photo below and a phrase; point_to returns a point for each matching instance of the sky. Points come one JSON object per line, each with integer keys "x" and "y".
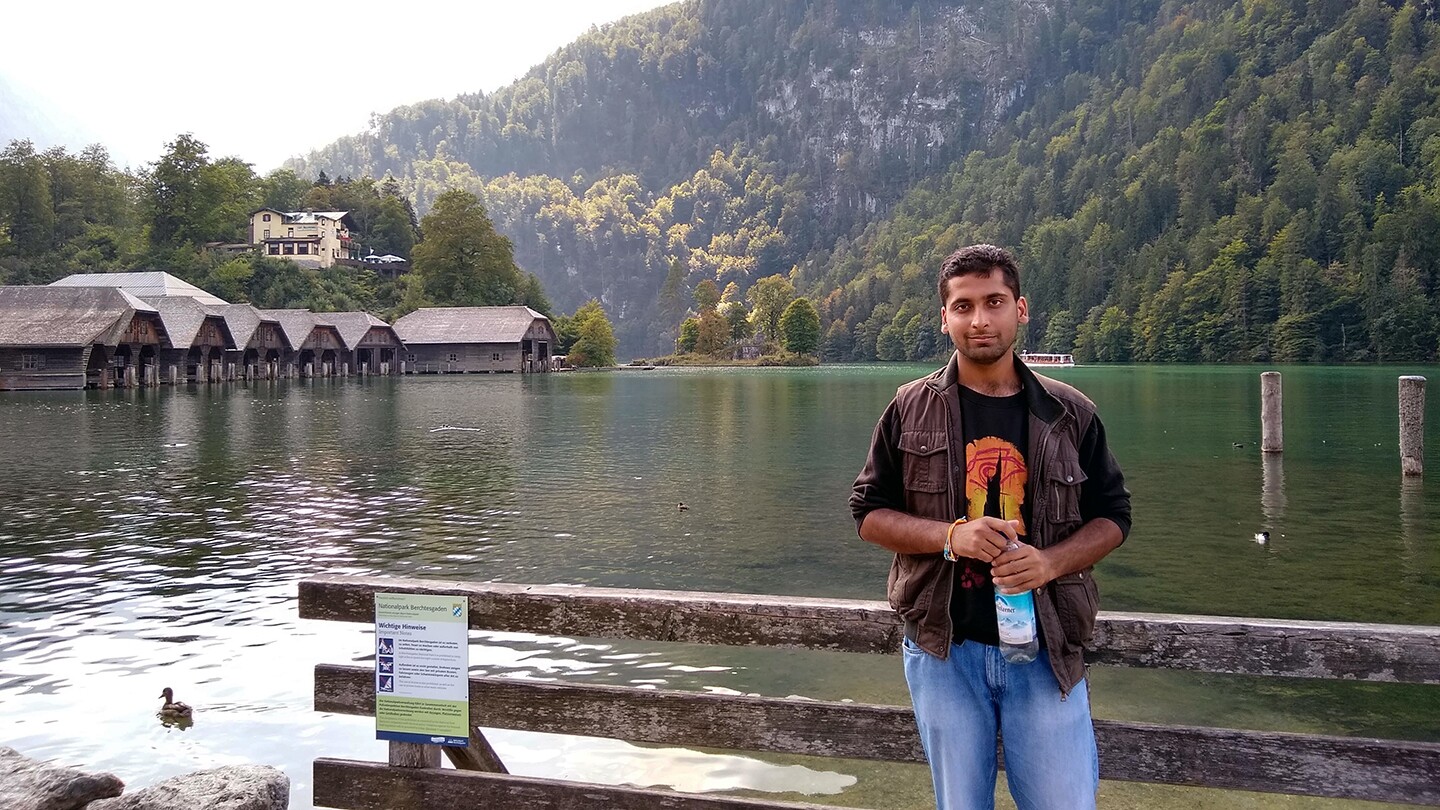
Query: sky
{"x": 260, "y": 81}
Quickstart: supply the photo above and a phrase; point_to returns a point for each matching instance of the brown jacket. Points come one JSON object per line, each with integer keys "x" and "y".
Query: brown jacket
{"x": 1073, "y": 479}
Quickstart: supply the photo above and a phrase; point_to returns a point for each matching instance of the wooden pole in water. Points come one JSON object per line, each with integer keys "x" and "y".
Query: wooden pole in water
{"x": 1272, "y": 428}
{"x": 1412, "y": 425}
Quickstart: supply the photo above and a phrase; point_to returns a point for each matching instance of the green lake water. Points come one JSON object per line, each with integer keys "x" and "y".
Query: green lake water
{"x": 154, "y": 538}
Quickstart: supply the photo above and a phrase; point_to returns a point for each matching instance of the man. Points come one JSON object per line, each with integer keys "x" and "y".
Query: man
{"x": 986, "y": 475}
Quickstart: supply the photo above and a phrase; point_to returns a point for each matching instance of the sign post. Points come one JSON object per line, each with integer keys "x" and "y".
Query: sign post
{"x": 422, "y": 664}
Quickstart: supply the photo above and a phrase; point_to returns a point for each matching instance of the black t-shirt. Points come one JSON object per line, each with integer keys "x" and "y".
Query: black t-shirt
{"x": 995, "y": 431}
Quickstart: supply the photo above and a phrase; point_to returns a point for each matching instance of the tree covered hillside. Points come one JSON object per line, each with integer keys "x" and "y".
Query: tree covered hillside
{"x": 1183, "y": 180}
{"x": 735, "y": 135}
{"x": 1219, "y": 181}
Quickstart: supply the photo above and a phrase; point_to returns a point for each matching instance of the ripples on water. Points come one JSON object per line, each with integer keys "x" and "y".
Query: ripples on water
{"x": 154, "y": 539}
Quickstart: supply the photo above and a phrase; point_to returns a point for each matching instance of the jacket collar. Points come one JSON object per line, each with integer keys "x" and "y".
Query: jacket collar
{"x": 1038, "y": 399}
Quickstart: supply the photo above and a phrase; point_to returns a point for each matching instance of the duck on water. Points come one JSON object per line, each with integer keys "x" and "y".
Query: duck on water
{"x": 171, "y": 708}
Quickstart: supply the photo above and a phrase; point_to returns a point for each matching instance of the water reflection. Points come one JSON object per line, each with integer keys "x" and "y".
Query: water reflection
{"x": 155, "y": 537}
{"x": 1414, "y": 538}
{"x": 1272, "y": 489}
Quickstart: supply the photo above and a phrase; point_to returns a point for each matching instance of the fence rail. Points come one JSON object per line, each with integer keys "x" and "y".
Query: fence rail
{"x": 1296, "y": 649}
{"x": 1301, "y": 764}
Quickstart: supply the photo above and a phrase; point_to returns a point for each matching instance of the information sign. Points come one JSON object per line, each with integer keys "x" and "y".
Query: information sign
{"x": 422, "y": 664}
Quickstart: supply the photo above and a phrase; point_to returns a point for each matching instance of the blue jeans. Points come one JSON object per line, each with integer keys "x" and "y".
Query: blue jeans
{"x": 960, "y": 705}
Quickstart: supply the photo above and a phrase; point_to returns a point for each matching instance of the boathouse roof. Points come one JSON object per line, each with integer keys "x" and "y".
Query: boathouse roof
{"x": 467, "y": 325}
{"x": 353, "y": 326}
{"x": 151, "y": 284}
{"x": 295, "y": 324}
{"x": 243, "y": 320}
{"x": 66, "y": 316}
{"x": 184, "y": 316}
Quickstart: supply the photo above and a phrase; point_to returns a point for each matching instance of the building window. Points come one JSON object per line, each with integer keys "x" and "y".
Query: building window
{"x": 32, "y": 362}
{"x": 267, "y": 233}
{"x": 303, "y": 249}
{"x": 289, "y": 231}
{"x": 454, "y": 358}
{"x": 274, "y": 249}
{"x": 265, "y": 218}
{"x": 289, "y": 248}
{"x": 496, "y": 356}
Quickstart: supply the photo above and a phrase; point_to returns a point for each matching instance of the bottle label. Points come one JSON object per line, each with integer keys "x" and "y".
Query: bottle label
{"x": 1015, "y": 615}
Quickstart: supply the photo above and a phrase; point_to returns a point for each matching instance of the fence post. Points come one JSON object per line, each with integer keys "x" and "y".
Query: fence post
{"x": 414, "y": 755}
{"x": 1412, "y": 425}
{"x": 1272, "y": 428}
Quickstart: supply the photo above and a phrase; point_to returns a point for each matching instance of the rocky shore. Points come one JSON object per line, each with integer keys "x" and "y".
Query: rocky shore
{"x": 29, "y": 784}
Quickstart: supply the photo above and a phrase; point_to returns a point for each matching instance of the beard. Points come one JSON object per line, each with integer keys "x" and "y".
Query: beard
{"x": 985, "y": 354}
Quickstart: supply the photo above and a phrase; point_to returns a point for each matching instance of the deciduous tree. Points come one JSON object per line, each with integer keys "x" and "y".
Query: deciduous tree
{"x": 800, "y": 326}
{"x": 462, "y": 260}
{"x": 768, "y": 299}
{"x": 594, "y": 338}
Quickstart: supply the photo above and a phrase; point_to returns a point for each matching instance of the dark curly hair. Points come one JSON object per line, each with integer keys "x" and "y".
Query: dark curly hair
{"x": 980, "y": 260}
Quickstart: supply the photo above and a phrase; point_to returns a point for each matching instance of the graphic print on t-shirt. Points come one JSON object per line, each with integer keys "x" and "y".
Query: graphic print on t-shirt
{"x": 995, "y": 480}
{"x": 994, "y": 487}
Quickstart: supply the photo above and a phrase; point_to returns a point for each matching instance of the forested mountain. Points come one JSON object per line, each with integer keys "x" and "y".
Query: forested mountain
{"x": 1207, "y": 181}
{"x": 1223, "y": 180}
{"x": 738, "y": 136}
{"x": 1204, "y": 180}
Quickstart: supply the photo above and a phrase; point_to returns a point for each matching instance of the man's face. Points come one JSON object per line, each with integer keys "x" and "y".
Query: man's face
{"x": 982, "y": 316}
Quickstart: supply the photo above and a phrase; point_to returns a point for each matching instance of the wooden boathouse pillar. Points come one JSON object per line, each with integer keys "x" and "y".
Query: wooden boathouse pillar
{"x": 1272, "y": 428}
{"x": 1412, "y": 425}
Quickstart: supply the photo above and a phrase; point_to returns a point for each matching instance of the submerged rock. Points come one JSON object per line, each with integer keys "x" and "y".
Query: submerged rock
{"x": 29, "y": 784}
{"x": 233, "y": 787}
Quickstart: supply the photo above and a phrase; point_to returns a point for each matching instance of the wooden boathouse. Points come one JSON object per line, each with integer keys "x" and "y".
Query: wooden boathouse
{"x": 74, "y": 337}
{"x": 199, "y": 339}
{"x": 319, "y": 350}
{"x": 451, "y": 340}
{"x": 371, "y": 343}
{"x": 260, "y": 344}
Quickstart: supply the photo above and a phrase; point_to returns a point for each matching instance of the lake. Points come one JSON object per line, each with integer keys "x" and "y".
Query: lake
{"x": 154, "y": 538}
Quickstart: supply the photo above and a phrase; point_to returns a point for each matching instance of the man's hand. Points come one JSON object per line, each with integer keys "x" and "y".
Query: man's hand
{"x": 1021, "y": 568}
{"x": 983, "y": 538}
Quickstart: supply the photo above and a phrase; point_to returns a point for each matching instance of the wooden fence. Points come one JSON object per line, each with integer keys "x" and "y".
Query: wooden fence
{"x": 1300, "y": 764}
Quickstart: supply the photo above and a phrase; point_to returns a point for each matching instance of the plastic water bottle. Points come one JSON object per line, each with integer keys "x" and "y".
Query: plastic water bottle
{"x": 1015, "y": 616}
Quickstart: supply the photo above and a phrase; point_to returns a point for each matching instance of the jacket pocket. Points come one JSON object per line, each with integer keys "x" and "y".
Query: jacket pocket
{"x": 1077, "y": 601}
{"x": 926, "y": 457}
{"x": 911, "y": 577}
{"x": 1065, "y": 477}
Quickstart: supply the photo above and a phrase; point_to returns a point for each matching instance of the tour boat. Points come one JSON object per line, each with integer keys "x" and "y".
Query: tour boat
{"x": 1039, "y": 359}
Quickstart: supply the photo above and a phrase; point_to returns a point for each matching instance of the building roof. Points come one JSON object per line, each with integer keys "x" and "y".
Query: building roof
{"x": 304, "y": 216}
{"x": 295, "y": 324}
{"x": 467, "y": 325}
{"x": 353, "y": 326}
{"x": 152, "y": 284}
{"x": 183, "y": 318}
{"x": 242, "y": 320}
{"x": 66, "y": 316}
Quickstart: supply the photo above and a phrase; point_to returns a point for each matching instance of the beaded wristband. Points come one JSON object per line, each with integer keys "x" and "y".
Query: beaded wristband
{"x": 949, "y": 534}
